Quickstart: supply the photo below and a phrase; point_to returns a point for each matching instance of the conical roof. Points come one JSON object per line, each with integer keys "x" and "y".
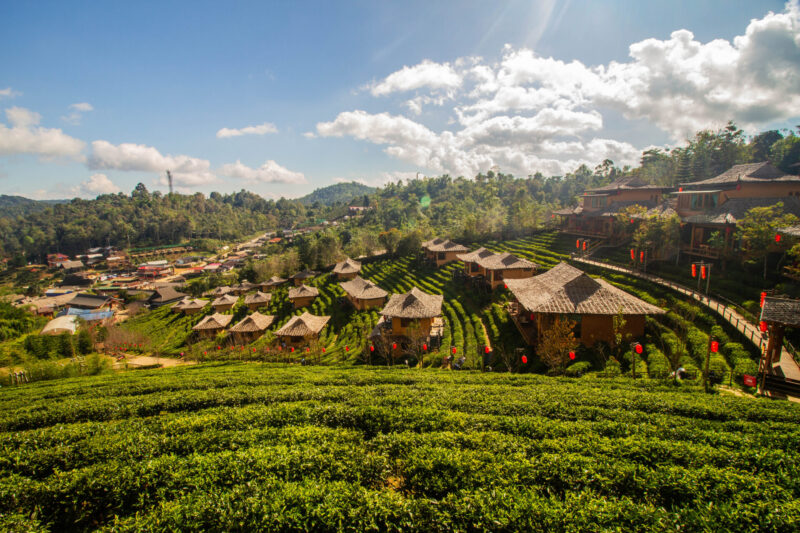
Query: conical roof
{"x": 414, "y": 304}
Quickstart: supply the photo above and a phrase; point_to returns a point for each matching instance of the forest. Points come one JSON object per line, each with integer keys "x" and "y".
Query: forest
{"x": 491, "y": 204}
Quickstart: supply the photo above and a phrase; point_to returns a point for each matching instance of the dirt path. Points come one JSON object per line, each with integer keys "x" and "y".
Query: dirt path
{"x": 164, "y": 362}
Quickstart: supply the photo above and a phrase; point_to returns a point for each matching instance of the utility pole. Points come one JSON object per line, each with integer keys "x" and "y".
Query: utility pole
{"x": 169, "y": 179}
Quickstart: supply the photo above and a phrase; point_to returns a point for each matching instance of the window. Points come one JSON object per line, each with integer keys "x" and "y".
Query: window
{"x": 441, "y": 255}
{"x": 474, "y": 267}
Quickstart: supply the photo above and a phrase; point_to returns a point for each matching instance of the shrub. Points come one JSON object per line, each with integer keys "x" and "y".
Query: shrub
{"x": 578, "y": 369}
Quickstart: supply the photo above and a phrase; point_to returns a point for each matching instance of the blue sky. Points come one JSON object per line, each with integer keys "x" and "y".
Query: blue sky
{"x": 283, "y": 97}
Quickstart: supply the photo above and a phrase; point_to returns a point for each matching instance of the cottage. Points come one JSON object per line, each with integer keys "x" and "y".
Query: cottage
{"x": 414, "y": 309}
{"x": 257, "y": 300}
{"x": 303, "y": 328}
{"x": 300, "y": 277}
{"x": 224, "y": 302}
{"x": 596, "y": 214}
{"x": 303, "y": 296}
{"x": 164, "y": 296}
{"x": 250, "y": 327}
{"x": 566, "y": 292}
{"x": 470, "y": 259}
{"x": 500, "y": 267}
{"x": 55, "y": 260}
{"x": 347, "y": 269}
{"x": 212, "y": 324}
{"x": 442, "y": 251}
{"x": 90, "y": 301}
{"x": 219, "y": 291}
{"x": 243, "y": 287}
{"x": 363, "y": 294}
{"x": 190, "y": 307}
{"x": 716, "y": 205}
{"x": 273, "y": 282}
{"x": 71, "y": 266}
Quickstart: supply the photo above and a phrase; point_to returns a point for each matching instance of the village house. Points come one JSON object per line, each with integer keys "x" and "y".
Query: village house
{"x": 363, "y": 294}
{"x": 595, "y": 215}
{"x": 163, "y": 296}
{"x": 218, "y": 291}
{"x": 189, "y": 306}
{"x": 347, "y": 269}
{"x": 716, "y": 205}
{"x": 243, "y": 287}
{"x": 442, "y": 251}
{"x": 257, "y": 300}
{"x": 118, "y": 262}
{"x": 94, "y": 302}
{"x": 497, "y": 268}
{"x": 303, "y": 296}
{"x": 273, "y": 282}
{"x": 470, "y": 259}
{"x": 55, "y": 260}
{"x": 300, "y": 277}
{"x": 568, "y": 293}
{"x": 211, "y": 325}
{"x": 414, "y": 313}
{"x": 250, "y": 328}
{"x": 303, "y": 328}
{"x": 224, "y": 303}
{"x": 154, "y": 270}
{"x": 71, "y": 266}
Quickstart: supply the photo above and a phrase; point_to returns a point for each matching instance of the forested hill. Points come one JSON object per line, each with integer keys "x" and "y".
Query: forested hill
{"x": 14, "y": 206}
{"x": 340, "y": 192}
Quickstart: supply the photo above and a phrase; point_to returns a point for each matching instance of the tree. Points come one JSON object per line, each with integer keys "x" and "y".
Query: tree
{"x": 758, "y": 228}
{"x": 556, "y": 342}
{"x": 390, "y": 239}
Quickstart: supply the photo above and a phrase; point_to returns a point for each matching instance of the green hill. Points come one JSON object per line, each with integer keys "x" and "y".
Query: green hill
{"x": 338, "y": 193}
{"x": 262, "y": 447}
{"x": 14, "y": 206}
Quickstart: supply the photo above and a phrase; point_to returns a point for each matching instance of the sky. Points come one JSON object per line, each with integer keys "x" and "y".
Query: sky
{"x": 281, "y": 98}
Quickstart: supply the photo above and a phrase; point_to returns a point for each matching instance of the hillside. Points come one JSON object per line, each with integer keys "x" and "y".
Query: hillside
{"x": 14, "y": 206}
{"x": 278, "y": 447}
{"x": 338, "y": 193}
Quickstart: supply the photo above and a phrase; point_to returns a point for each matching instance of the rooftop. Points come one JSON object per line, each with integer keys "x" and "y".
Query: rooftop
{"x": 303, "y": 325}
{"x": 413, "y": 304}
{"x": 750, "y": 172}
{"x": 348, "y": 266}
{"x": 252, "y": 323}
{"x": 215, "y": 321}
{"x": 363, "y": 289}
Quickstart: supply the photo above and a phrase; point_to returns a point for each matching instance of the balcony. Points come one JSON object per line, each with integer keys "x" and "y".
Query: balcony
{"x": 700, "y": 250}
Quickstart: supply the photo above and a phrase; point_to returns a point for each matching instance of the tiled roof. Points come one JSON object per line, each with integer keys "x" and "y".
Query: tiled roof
{"x": 781, "y": 310}
{"x": 363, "y": 289}
{"x": 750, "y": 172}
{"x": 566, "y": 290}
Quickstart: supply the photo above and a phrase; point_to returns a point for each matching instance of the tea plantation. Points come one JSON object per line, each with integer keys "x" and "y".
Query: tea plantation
{"x": 253, "y": 446}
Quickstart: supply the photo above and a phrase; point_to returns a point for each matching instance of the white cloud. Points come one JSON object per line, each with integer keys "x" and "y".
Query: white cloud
{"x": 528, "y": 113}
{"x": 8, "y": 92}
{"x": 75, "y": 116}
{"x": 186, "y": 170}
{"x": 99, "y": 184}
{"x": 261, "y": 129}
{"x": 25, "y": 136}
{"x": 426, "y": 74}
{"x": 269, "y": 172}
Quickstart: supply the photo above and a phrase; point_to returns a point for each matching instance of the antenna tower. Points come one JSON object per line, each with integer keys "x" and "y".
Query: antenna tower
{"x": 169, "y": 179}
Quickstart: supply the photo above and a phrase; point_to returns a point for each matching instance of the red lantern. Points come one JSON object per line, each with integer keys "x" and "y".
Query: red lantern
{"x": 638, "y": 348}
{"x": 292, "y": 349}
{"x": 485, "y": 349}
{"x": 631, "y": 221}
{"x": 346, "y": 348}
{"x": 763, "y": 295}
{"x": 371, "y": 348}
{"x": 641, "y": 256}
{"x": 424, "y": 347}
{"x": 505, "y": 285}
{"x": 254, "y": 350}
{"x": 571, "y": 356}
{"x": 524, "y": 359}
{"x": 453, "y": 349}
{"x": 777, "y": 237}
{"x": 714, "y": 346}
{"x": 394, "y": 346}
{"x": 280, "y": 348}
{"x": 323, "y": 350}
{"x": 219, "y": 347}
{"x": 703, "y": 271}
{"x": 584, "y": 246}
{"x": 762, "y": 326}
{"x": 533, "y": 317}
{"x": 694, "y": 270}
{"x": 181, "y": 354}
{"x": 205, "y": 353}
{"x": 578, "y": 243}
{"x": 680, "y": 189}
{"x": 738, "y": 186}
{"x": 633, "y": 255}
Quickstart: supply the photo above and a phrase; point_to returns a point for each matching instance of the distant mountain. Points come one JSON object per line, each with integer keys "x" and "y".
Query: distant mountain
{"x": 341, "y": 192}
{"x": 14, "y": 206}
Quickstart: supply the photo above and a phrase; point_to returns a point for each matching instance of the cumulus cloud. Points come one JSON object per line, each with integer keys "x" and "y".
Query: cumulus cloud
{"x": 528, "y": 113}
{"x": 8, "y": 92}
{"x": 261, "y": 129}
{"x": 25, "y": 136}
{"x": 98, "y": 184}
{"x": 269, "y": 172}
{"x": 187, "y": 171}
{"x": 427, "y": 74}
{"x": 76, "y": 112}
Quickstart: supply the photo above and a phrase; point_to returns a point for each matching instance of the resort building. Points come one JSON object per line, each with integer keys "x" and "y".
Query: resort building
{"x": 347, "y": 269}
{"x": 187, "y": 306}
{"x": 257, "y": 300}
{"x": 415, "y": 310}
{"x": 164, "y": 296}
{"x": 224, "y": 303}
{"x": 303, "y": 296}
{"x": 363, "y": 294}
{"x": 250, "y": 327}
{"x": 300, "y": 277}
{"x": 442, "y": 251}
{"x": 212, "y": 324}
{"x": 273, "y": 282}
{"x": 303, "y": 328}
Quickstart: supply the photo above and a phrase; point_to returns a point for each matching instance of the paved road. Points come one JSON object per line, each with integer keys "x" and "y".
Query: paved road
{"x": 788, "y": 366}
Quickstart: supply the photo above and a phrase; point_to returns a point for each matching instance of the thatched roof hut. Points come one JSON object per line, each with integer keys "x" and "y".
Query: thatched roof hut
{"x": 362, "y": 289}
{"x": 414, "y": 304}
{"x": 164, "y": 295}
{"x": 303, "y": 291}
{"x": 189, "y": 306}
{"x": 566, "y": 290}
{"x": 305, "y": 325}
{"x": 303, "y": 275}
{"x": 505, "y": 261}
{"x": 348, "y": 267}
{"x": 213, "y": 323}
{"x": 475, "y": 255}
{"x": 225, "y": 302}
{"x": 253, "y": 323}
{"x": 258, "y": 299}
{"x": 443, "y": 245}
{"x": 273, "y": 282}
{"x": 243, "y": 287}
{"x": 219, "y": 291}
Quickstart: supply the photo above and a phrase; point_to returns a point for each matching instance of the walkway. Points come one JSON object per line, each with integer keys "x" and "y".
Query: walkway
{"x": 787, "y": 365}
